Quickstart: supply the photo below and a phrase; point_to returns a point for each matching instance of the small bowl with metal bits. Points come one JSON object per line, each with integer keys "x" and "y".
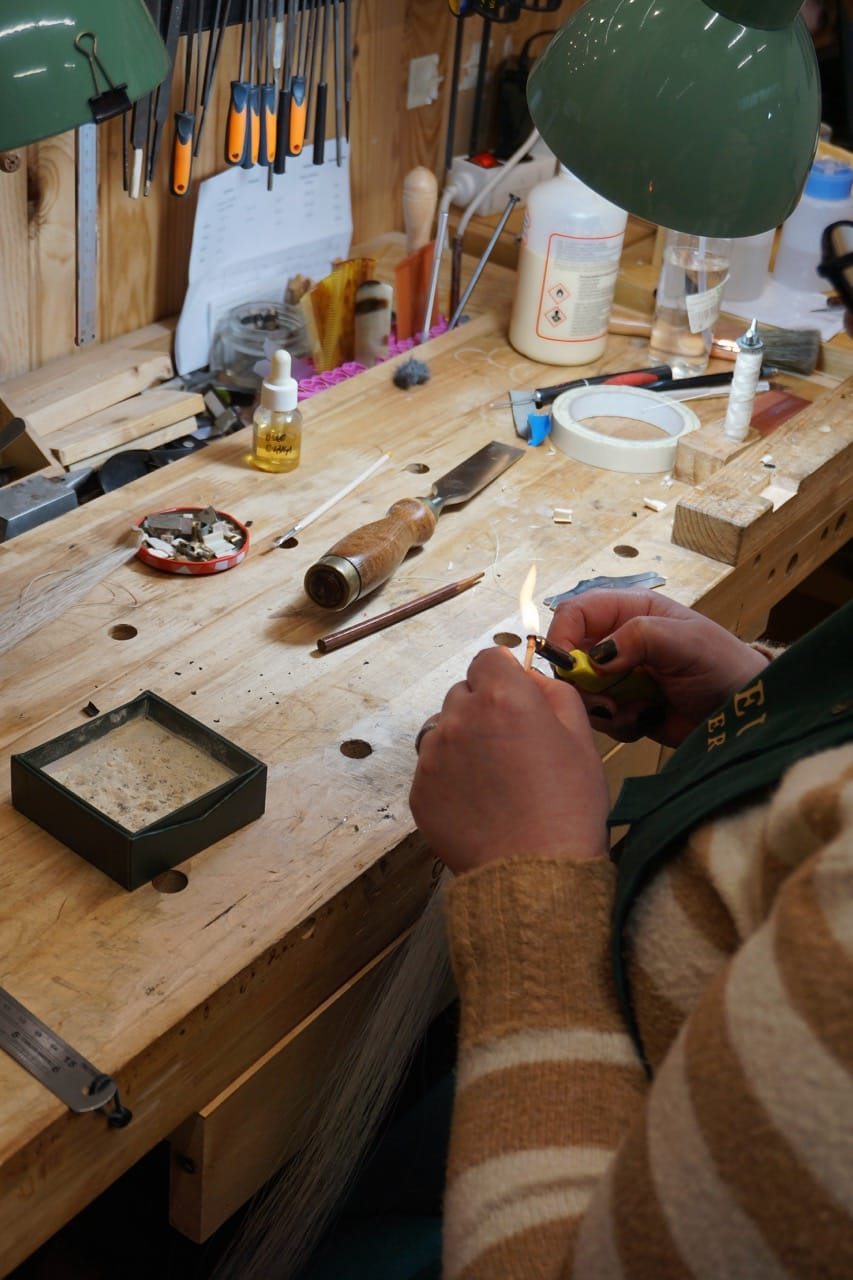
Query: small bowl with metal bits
{"x": 192, "y": 540}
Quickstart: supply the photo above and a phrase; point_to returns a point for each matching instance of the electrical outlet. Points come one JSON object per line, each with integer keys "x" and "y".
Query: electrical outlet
{"x": 468, "y": 175}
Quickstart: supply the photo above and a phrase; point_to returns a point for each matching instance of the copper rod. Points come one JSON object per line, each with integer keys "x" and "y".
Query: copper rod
{"x": 530, "y": 654}
{"x": 337, "y": 639}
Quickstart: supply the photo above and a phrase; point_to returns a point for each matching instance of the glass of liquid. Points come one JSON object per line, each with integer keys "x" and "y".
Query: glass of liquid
{"x": 693, "y": 275}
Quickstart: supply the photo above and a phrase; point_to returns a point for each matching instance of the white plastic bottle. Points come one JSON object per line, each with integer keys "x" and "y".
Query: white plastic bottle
{"x": 826, "y": 198}
{"x": 567, "y": 267}
{"x": 277, "y": 429}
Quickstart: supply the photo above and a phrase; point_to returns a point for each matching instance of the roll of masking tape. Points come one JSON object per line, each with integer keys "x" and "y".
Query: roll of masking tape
{"x": 572, "y": 410}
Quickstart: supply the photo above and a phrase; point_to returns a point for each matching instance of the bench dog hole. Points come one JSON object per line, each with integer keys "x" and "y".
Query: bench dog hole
{"x": 416, "y": 468}
{"x": 507, "y": 639}
{"x": 170, "y": 881}
{"x": 123, "y": 631}
{"x": 356, "y": 748}
{"x": 625, "y": 551}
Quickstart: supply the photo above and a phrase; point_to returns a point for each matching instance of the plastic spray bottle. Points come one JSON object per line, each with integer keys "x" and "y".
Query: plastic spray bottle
{"x": 277, "y": 421}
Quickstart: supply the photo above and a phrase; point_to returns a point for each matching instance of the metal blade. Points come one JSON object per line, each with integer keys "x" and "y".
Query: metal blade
{"x": 475, "y": 472}
{"x": 650, "y": 579}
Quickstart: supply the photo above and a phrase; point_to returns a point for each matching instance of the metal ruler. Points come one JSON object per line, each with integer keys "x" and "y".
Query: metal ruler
{"x": 87, "y": 233}
{"x": 76, "y": 1082}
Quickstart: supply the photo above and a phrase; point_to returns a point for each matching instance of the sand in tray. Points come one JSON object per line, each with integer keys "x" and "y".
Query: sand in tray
{"x": 139, "y": 772}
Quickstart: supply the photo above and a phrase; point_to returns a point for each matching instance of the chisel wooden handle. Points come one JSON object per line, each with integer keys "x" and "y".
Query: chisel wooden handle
{"x": 366, "y": 557}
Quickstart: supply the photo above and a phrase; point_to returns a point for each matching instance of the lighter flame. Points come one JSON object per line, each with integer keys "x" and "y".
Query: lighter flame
{"x": 529, "y": 612}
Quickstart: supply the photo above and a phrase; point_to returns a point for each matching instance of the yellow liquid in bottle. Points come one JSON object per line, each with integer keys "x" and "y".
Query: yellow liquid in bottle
{"x": 277, "y": 440}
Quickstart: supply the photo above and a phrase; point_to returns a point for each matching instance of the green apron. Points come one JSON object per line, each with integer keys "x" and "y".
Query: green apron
{"x": 801, "y": 704}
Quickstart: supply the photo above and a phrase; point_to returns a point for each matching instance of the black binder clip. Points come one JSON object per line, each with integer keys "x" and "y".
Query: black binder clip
{"x": 109, "y": 102}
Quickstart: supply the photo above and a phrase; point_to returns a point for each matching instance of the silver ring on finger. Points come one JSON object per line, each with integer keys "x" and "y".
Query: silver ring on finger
{"x": 430, "y": 724}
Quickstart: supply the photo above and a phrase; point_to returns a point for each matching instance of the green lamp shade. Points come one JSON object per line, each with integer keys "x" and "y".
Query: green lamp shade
{"x": 46, "y": 81}
{"x": 694, "y": 118}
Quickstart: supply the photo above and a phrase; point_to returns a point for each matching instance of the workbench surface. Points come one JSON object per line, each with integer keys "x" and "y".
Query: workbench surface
{"x": 176, "y": 993}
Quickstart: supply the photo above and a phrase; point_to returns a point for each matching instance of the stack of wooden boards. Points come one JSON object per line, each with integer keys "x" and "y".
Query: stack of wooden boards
{"x": 82, "y": 408}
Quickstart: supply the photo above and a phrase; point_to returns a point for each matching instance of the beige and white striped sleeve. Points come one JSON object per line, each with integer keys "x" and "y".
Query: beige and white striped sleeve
{"x": 738, "y": 1160}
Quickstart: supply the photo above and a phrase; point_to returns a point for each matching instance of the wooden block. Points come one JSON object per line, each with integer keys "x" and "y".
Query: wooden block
{"x": 700, "y": 454}
{"x": 66, "y": 390}
{"x": 185, "y": 427}
{"x": 124, "y": 423}
{"x": 748, "y": 503}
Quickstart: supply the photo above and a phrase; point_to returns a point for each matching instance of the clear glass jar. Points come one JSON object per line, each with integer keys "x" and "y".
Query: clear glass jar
{"x": 693, "y": 276}
{"x": 246, "y": 338}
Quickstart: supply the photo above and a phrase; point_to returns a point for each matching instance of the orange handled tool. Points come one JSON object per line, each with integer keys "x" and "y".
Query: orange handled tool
{"x": 252, "y": 150}
{"x": 269, "y": 125}
{"x": 298, "y": 114}
{"x": 182, "y": 153}
{"x": 237, "y": 128}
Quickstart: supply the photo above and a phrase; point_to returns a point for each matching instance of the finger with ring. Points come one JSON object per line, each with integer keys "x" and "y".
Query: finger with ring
{"x": 430, "y": 724}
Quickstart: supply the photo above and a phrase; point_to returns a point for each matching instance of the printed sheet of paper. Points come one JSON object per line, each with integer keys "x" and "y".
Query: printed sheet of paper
{"x": 249, "y": 241}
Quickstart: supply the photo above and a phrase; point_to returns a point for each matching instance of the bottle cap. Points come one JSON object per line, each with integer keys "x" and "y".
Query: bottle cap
{"x": 829, "y": 179}
{"x": 279, "y": 392}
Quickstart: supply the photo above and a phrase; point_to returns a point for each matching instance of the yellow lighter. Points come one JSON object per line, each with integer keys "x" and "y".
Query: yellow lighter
{"x": 575, "y": 667}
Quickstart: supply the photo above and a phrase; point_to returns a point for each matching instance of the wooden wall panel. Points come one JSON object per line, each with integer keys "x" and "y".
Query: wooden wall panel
{"x": 144, "y": 244}
{"x": 14, "y": 270}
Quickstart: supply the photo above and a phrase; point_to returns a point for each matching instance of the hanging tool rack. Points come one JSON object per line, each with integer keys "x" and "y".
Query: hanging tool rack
{"x": 294, "y": 66}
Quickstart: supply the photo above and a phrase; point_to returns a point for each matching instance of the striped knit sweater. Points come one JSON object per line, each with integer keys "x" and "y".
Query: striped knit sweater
{"x": 737, "y": 1162}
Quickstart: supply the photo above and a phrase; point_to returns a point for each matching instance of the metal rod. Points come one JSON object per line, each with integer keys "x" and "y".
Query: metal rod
{"x": 478, "y": 271}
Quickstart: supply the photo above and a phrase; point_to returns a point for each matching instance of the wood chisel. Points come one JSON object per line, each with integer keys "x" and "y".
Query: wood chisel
{"x": 365, "y": 558}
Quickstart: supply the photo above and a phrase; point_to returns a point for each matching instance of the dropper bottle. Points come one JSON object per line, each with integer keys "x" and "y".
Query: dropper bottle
{"x": 277, "y": 421}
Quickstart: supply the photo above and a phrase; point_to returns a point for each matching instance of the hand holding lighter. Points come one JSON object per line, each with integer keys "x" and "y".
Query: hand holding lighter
{"x": 575, "y": 667}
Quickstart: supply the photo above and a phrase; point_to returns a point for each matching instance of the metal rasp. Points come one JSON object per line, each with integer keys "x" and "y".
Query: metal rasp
{"x": 358, "y": 563}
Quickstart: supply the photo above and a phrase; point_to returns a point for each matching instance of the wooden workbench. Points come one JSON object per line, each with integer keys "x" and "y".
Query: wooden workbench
{"x": 178, "y": 993}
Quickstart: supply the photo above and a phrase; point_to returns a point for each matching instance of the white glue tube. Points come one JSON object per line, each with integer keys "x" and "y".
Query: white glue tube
{"x": 744, "y": 382}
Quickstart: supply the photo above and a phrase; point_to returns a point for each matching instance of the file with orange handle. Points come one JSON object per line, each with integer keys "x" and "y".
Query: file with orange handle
{"x": 269, "y": 125}
{"x": 182, "y": 153}
{"x": 237, "y": 127}
{"x": 253, "y": 141}
{"x": 298, "y": 114}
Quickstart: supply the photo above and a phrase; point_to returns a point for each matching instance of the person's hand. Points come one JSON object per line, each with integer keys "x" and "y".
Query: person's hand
{"x": 509, "y": 769}
{"x": 696, "y": 663}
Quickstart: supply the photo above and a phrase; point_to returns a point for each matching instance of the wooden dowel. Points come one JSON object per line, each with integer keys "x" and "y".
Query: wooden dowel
{"x": 337, "y": 639}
